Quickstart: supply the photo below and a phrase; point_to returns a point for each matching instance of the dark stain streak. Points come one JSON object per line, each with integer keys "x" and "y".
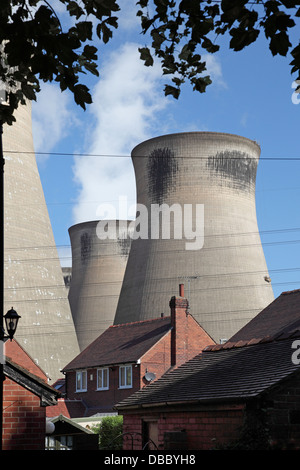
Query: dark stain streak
{"x": 162, "y": 167}
{"x": 125, "y": 245}
{"x": 236, "y": 168}
{"x": 85, "y": 245}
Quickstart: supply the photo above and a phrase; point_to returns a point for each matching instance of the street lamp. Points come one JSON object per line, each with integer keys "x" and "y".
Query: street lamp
{"x": 11, "y": 321}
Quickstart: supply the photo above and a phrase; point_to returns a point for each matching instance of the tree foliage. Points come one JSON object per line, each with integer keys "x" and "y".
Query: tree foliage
{"x": 110, "y": 432}
{"x": 36, "y": 47}
{"x": 180, "y": 31}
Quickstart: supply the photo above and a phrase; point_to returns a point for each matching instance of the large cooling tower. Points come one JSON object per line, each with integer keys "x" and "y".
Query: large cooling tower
{"x": 33, "y": 280}
{"x": 98, "y": 267}
{"x": 212, "y": 174}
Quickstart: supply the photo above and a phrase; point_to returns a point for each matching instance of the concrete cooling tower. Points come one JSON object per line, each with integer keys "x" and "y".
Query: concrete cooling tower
{"x": 98, "y": 267}
{"x": 33, "y": 280}
{"x": 205, "y": 182}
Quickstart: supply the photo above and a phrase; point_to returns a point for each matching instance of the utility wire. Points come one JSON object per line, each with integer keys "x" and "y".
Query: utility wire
{"x": 107, "y": 243}
{"x": 186, "y": 157}
{"x": 109, "y": 283}
{"x": 170, "y": 252}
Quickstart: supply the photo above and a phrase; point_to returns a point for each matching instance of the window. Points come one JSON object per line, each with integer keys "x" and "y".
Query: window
{"x": 81, "y": 381}
{"x": 58, "y": 443}
{"x": 125, "y": 376}
{"x": 102, "y": 379}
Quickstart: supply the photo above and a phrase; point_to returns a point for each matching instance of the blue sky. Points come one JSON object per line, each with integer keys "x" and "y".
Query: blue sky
{"x": 252, "y": 95}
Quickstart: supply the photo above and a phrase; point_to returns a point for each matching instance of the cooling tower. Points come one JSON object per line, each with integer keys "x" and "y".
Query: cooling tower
{"x": 98, "y": 266}
{"x": 33, "y": 280}
{"x": 206, "y": 182}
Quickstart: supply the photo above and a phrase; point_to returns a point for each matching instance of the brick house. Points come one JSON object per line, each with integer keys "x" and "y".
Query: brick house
{"x": 26, "y": 395}
{"x": 227, "y": 391}
{"x": 129, "y": 356}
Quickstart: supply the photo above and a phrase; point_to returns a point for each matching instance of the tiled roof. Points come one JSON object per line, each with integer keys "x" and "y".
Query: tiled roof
{"x": 68, "y": 408}
{"x": 234, "y": 373}
{"x": 122, "y": 343}
{"x": 14, "y": 351}
{"x": 281, "y": 315}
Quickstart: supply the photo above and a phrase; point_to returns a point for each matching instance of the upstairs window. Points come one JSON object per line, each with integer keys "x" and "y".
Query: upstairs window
{"x": 102, "y": 379}
{"x": 81, "y": 381}
{"x": 125, "y": 376}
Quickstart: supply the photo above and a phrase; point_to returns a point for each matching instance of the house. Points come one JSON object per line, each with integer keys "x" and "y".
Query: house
{"x": 26, "y": 396}
{"x": 242, "y": 394}
{"x": 129, "y": 356}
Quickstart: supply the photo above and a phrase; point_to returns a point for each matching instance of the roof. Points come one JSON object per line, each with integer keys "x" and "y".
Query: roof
{"x": 122, "y": 343}
{"x": 14, "y": 351}
{"x": 218, "y": 375}
{"x": 72, "y": 424}
{"x": 281, "y": 315}
{"x": 68, "y": 408}
{"x": 36, "y": 385}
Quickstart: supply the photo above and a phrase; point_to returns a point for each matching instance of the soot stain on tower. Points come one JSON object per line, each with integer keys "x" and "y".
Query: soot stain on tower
{"x": 85, "y": 245}
{"x": 162, "y": 168}
{"x": 235, "y": 167}
{"x": 124, "y": 244}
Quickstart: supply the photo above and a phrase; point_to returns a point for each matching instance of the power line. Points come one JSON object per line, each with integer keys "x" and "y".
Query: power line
{"x": 104, "y": 243}
{"x": 187, "y": 157}
{"x": 105, "y": 282}
{"x": 204, "y": 249}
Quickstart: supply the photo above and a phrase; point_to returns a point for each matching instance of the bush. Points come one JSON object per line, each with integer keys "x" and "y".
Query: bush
{"x": 110, "y": 432}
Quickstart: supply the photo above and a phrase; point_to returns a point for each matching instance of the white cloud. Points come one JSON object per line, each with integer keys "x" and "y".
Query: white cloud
{"x": 214, "y": 69}
{"x": 51, "y": 118}
{"x": 126, "y": 102}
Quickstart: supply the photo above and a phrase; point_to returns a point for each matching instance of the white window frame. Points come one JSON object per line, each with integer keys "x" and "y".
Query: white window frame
{"x": 81, "y": 381}
{"x": 125, "y": 383}
{"x": 101, "y": 372}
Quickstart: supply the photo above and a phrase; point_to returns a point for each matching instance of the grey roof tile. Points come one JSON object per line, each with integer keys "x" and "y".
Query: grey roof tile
{"x": 227, "y": 374}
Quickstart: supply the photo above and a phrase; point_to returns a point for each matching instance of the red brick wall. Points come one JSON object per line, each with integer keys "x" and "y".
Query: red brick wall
{"x": 157, "y": 360}
{"x": 283, "y": 415}
{"x": 105, "y": 399}
{"x": 204, "y": 429}
{"x": 188, "y": 337}
{"x": 24, "y": 420}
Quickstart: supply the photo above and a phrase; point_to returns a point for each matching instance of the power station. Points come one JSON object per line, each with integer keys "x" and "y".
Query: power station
{"x": 196, "y": 224}
{"x": 33, "y": 280}
{"x": 98, "y": 266}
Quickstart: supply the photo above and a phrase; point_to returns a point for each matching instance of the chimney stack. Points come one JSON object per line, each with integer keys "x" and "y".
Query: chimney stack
{"x": 181, "y": 290}
{"x": 179, "y": 313}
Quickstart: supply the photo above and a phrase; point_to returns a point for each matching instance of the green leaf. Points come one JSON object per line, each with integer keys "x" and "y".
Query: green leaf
{"x": 171, "y": 90}
{"x": 85, "y": 30}
{"x": 146, "y": 56}
{"x": 280, "y": 44}
{"x": 28, "y": 91}
{"x": 82, "y": 95}
{"x": 201, "y": 83}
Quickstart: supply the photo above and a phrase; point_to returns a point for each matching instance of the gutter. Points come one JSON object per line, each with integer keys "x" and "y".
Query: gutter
{"x": 237, "y": 401}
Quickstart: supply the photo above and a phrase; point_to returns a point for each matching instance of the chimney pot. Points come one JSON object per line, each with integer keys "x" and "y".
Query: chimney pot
{"x": 181, "y": 290}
